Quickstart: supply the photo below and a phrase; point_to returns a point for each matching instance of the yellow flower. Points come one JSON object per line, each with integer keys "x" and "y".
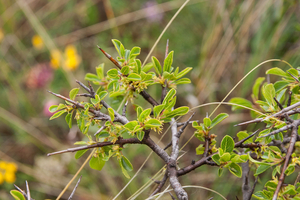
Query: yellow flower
{"x": 72, "y": 59}
{"x": 55, "y": 58}
{"x": 3, "y": 165}
{"x": 1, "y": 35}
{"x": 9, "y": 177}
{"x": 37, "y": 42}
{"x": 1, "y": 178}
{"x": 11, "y": 167}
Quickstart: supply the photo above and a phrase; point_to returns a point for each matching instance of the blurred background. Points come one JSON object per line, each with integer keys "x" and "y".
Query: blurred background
{"x": 47, "y": 45}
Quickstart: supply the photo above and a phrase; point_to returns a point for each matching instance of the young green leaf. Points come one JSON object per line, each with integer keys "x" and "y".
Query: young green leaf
{"x": 269, "y": 93}
{"x": 102, "y": 95}
{"x": 156, "y": 65}
{"x": 147, "y": 67}
{"x": 277, "y": 71}
{"x": 134, "y": 77}
{"x": 57, "y": 114}
{"x": 140, "y": 135}
{"x": 73, "y": 93}
{"x": 255, "y": 88}
{"x": 92, "y": 77}
{"x": 240, "y": 101}
{"x": 126, "y": 164}
{"x": 261, "y": 168}
{"x": 80, "y": 153}
{"x": 135, "y": 51}
{"x": 178, "y": 112}
{"x": 200, "y": 149}
{"x": 216, "y": 158}
{"x": 235, "y": 169}
{"x": 157, "y": 109}
{"x": 111, "y": 114}
{"x": 220, "y": 172}
{"x": 207, "y": 122}
{"x": 227, "y": 144}
{"x": 152, "y": 123}
{"x": 183, "y": 72}
{"x": 144, "y": 115}
{"x": 225, "y": 157}
{"x": 279, "y": 85}
{"x": 169, "y": 96}
{"x": 168, "y": 62}
{"x": 113, "y": 73}
{"x": 53, "y": 108}
{"x": 183, "y": 81}
{"x": 96, "y": 163}
{"x": 119, "y": 47}
{"x": 218, "y": 119}
{"x": 100, "y": 71}
{"x": 131, "y": 125}
{"x": 125, "y": 70}
{"x": 96, "y": 100}
{"x": 17, "y": 195}
{"x": 68, "y": 119}
{"x": 242, "y": 135}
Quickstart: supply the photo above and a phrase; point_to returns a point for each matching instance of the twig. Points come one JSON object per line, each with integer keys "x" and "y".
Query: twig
{"x": 110, "y": 58}
{"x": 148, "y": 98}
{"x": 295, "y": 78}
{"x": 100, "y": 129}
{"x": 73, "y": 192}
{"x": 22, "y": 191}
{"x": 124, "y": 109}
{"x": 161, "y": 184}
{"x": 278, "y": 131}
{"x": 243, "y": 140}
{"x": 89, "y": 89}
{"x": 287, "y": 157}
{"x": 28, "y": 191}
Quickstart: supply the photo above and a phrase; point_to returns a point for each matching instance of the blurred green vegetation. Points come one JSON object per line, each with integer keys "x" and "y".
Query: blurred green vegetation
{"x": 221, "y": 40}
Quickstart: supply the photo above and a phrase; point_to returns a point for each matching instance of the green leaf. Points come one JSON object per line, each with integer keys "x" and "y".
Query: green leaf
{"x": 57, "y": 114}
{"x": 276, "y": 71}
{"x": 111, "y": 114}
{"x": 113, "y": 73}
{"x": 157, "y": 109}
{"x": 227, "y": 144}
{"x": 168, "y": 62}
{"x": 144, "y": 115}
{"x": 68, "y": 119}
{"x": 96, "y": 163}
{"x": 225, "y": 157}
{"x": 169, "y": 96}
{"x": 119, "y": 47}
{"x": 96, "y": 100}
{"x": 178, "y": 112}
{"x": 134, "y": 77}
{"x": 125, "y": 70}
{"x": 73, "y": 93}
{"x": 183, "y": 72}
{"x": 255, "y": 88}
{"x": 156, "y": 65}
{"x": 216, "y": 158}
{"x": 100, "y": 71}
{"x": 235, "y": 169}
{"x": 126, "y": 164}
{"x": 218, "y": 119}
{"x": 183, "y": 81}
{"x": 152, "y": 123}
{"x": 102, "y": 95}
{"x": 92, "y": 77}
{"x": 80, "y": 143}
{"x": 131, "y": 125}
{"x": 240, "y": 101}
{"x": 80, "y": 153}
{"x": 135, "y": 51}
{"x": 269, "y": 93}
{"x": 17, "y": 195}
{"x": 206, "y": 122}
{"x": 147, "y": 67}
{"x": 220, "y": 172}
{"x": 53, "y": 108}
{"x": 140, "y": 135}
{"x": 279, "y": 85}
{"x": 123, "y": 169}
{"x": 242, "y": 135}
{"x": 200, "y": 149}
{"x": 261, "y": 168}
{"x": 127, "y": 53}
